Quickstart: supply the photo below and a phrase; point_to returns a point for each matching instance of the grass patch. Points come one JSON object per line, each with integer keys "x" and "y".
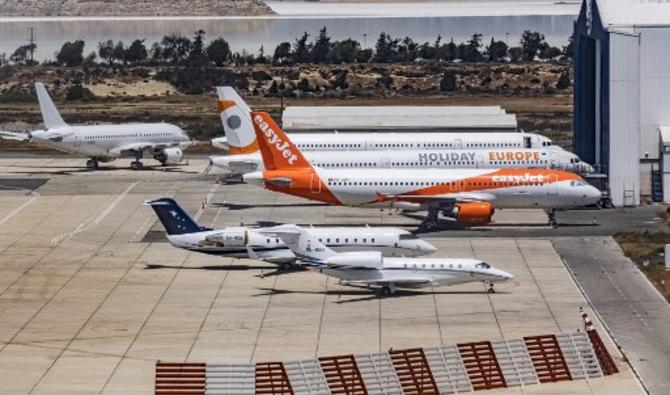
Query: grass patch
{"x": 646, "y": 250}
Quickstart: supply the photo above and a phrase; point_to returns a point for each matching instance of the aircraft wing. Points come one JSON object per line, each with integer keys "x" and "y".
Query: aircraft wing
{"x": 448, "y": 198}
{"x": 15, "y": 136}
{"x": 396, "y": 281}
{"x": 133, "y": 147}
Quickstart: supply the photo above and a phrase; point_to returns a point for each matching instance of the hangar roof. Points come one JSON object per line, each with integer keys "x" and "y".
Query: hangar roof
{"x": 631, "y": 13}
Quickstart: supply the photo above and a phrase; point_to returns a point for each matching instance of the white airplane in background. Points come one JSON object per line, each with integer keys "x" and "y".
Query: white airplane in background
{"x": 184, "y": 232}
{"x": 104, "y": 143}
{"x": 240, "y": 138}
{"x": 370, "y": 268}
{"x": 469, "y": 196}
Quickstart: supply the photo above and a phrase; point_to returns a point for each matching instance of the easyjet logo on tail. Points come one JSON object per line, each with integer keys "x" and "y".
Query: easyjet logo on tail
{"x": 275, "y": 141}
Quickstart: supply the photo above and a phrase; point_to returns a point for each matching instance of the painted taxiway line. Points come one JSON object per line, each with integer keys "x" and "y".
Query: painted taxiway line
{"x": 83, "y": 227}
{"x": 34, "y": 196}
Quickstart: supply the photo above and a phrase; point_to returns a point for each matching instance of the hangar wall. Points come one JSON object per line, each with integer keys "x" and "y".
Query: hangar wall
{"x": 624, "y": 118}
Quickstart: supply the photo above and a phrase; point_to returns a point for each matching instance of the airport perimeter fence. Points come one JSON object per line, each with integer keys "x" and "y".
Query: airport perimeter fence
{"x": 464, "y": 367}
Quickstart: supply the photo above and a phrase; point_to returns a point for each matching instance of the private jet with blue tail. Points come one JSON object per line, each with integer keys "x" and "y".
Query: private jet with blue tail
{"x": 183, "y": 232}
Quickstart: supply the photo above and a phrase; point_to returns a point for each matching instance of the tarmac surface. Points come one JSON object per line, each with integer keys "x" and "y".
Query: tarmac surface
{"x": 637, "y": 316}
{"x": 89, "y": 302}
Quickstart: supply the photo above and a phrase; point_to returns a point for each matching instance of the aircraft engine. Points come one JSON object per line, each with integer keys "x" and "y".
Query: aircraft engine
{"x": 230, "y": 237}
{"x": 169, "y": 156}
{"x": 366, "y": 259}
{"x": 476, "y": 213}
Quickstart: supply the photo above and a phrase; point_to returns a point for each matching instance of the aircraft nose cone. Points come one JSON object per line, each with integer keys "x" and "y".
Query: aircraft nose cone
{"x": 427, "y": 247}
{"x": 592, "y": 194}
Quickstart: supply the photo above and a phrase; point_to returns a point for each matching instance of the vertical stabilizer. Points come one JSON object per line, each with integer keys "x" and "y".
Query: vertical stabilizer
{"x": 236, "y": 120}
{"x": 302, "y": 243}
{"x": 277, "y": 150}
{"x": 50, "y": 115}
{"x": 173, "y": 217}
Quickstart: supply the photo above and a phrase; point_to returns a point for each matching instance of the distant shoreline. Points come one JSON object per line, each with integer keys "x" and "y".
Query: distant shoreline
{"x": 334, "y": 10}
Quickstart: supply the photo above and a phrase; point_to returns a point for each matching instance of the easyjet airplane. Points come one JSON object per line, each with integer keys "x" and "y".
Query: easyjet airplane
{"x": 240, "y": 138}
{"x": 466, "y": 195}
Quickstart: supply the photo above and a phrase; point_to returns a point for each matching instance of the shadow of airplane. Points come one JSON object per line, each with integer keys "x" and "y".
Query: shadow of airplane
{"x": 237, "y": 206}
{"x": 71, "y": 170}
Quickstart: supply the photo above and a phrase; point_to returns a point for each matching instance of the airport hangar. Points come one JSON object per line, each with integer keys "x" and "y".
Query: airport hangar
{"x": 622, "y": 96}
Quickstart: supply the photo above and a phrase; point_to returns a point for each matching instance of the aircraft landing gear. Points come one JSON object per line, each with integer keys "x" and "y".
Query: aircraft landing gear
{"x": 387, "y": 290}
{"x": 430, "y": 222}
{"x": 285, "y": 266}
{"x": 551, "y": 214}
{"x": 136, "y": 164}
{"x": 490, "y": 289}
{"x": 92, "y": 163}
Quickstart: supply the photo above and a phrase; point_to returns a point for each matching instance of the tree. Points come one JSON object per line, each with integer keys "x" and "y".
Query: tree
{"x": 21, "y": 54}
{"x": 345, "y": 51}
{"x": 472, "y": 53}
{"x": 176, "y": 48}
{"x": 136, "y": 52}
{"x": 567, "y": 50}
{"x": 341, "y": 80}
{"x": 516, "y": 54}
{"x": 78, "y": 92}
{"x": 386, "y": 49}
{"x": 90, "y": 58}
{"x": 197, "y": 55}
{"x": 261, "y": 56}
{"x": 322, "y": 47}
{"x": 302, "y": 49}
{"x": 218, "y": 52}
{"x": 408, "y": 50}
{"x": 156, "y": 53}
{"x": 106, "y": 51}
{"x": 304, "y": 86}
{"x": 531, "y": 44}
{"x": 119, "y": 52}
{"x": 563, "y": 81}
{"x": 448, "y": 81}
{"x": 71, "y": 54}
{"x": 282, "y": 53}
{"x": 497, "y": 50}
{"x": 548, "y": 52}
{"x": 3, "y": 59}
{"x": 274, "y": 88}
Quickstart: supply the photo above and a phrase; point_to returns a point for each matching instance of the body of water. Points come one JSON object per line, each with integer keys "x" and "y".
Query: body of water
{"x": 249, "y": 33}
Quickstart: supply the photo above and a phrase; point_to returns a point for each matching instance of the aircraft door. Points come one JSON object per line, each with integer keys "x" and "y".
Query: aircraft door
{"x": 480, "y": 161}
{"x": 552, "y": 185}
{"x": 527, "y": 142}
{"x": 315, "y": 184}
{"x": 386, "y": 163}
{"x": 77, "y": 140}
{"x": 458, "y": 143}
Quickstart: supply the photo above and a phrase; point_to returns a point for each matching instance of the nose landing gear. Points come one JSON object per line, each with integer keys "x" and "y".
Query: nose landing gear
{"x": 136, "y": 164}
{"x": 490, "y": 289}
{"x": 92, "y": 163}
{"x": 387, "y": 290}
{"x": 551, "y": 214}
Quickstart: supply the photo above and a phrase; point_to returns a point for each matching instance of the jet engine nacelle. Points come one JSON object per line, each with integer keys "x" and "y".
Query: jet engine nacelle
{"x": 367, "y": 259}
{"x": 169, "y": 156}
{"x": 475, "y": 213}
{"x": 230, "y": 237}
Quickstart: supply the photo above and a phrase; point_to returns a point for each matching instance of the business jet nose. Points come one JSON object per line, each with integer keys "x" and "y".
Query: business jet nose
{"x": 586, "y": 168}
{"x": 503, "y": 275}
{"x": 426, "y": 247}
{"x": 592, "y": 195}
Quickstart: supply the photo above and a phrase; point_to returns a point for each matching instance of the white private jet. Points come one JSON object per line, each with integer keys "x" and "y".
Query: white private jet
{"x": 468, "y": 195}
{"x": 104, "y": 143}
{"x": 240, "y": 138}
{"x": 372, "y": 269}
{"x": 184, "y": 232}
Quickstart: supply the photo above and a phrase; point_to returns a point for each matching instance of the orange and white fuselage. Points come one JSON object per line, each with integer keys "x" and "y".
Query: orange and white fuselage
{"x": 469, "y": 195}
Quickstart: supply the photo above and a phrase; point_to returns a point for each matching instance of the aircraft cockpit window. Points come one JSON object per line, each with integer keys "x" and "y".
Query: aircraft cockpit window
{"x": 483, "y": 265}
{"x": 408, "y": 236}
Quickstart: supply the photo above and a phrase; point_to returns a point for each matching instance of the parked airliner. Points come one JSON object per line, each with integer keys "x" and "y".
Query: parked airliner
{"x": 184, "y": 232}
{"x": 466, "y": 195}
{"x": 104, "y": 143}
{"x": 372, "y": 269}
{"x": 240, "y": 138}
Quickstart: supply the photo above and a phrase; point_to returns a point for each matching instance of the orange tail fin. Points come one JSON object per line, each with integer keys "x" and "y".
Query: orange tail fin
{"x": 277, "y": 150}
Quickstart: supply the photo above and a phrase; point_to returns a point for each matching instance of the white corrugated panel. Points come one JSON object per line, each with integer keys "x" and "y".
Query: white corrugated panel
{"x": 654, "y": 87}
{"x": 402, "y": 121}
{"x": 621, "y": 13}
{"x": 624, "y": 106}
{"x": 380, "y": 111}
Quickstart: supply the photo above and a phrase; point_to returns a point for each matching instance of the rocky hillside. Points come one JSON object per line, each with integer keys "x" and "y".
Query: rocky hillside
{"x": 133, "y": 7}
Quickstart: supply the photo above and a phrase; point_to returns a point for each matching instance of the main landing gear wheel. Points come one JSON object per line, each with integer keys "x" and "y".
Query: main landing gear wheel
{"x": 386, "y": 291}
{"x": 491, "y": 290}
{"x": 551, "y": 214}
{"x": 92, "y": 163}
{"x": 430, "y": 222}
{"x": 285, "y": 266}
{"x": 137, "y": 165}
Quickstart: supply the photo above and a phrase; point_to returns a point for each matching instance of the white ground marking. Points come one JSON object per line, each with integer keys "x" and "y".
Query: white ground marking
{"x": 83, "y": 226}
{"x": 34, "y": 196}
{"x": 207, "y": 199}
